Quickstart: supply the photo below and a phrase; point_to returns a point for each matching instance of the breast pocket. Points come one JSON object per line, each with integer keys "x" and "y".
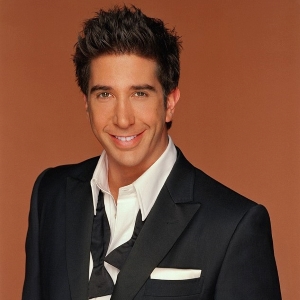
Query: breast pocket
{"x": 174, "y": 288}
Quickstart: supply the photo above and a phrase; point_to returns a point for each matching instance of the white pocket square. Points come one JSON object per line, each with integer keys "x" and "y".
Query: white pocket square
{"x": 174, "y": 274}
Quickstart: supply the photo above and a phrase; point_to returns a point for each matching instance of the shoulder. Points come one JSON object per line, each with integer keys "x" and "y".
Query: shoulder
{"x": 209, "y": 192}
{"x": 227, "y": 212}
{"x": 82, "y": 169}
{"x": 214, "y": 192}
{"x": 56, "y": 176}
{"x": 223, "y": 204}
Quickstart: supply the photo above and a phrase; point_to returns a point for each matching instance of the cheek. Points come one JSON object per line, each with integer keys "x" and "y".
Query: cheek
{"x": 96, "y": 121}
{"x": 97, "y": 114}
{"x": 155, "y": 117}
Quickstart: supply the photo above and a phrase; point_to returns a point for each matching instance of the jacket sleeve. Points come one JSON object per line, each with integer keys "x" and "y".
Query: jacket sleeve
{"x": 249, "y": 269}
{"x": 31, "y": 288}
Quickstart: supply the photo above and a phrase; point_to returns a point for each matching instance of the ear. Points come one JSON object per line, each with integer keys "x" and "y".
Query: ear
{"x": 172, "y": 100}
{"x": 86, "y": 104}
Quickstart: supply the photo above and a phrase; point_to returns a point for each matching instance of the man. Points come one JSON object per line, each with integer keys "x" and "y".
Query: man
{"x": 140, "y": 222}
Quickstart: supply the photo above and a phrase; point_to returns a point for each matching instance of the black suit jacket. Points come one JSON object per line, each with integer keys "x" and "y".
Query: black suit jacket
{"x": 195, "y": 223}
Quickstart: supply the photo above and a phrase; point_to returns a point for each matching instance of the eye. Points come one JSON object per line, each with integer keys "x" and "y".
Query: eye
{"x": 103, "y": 95}
{"x": 140, "y": 94}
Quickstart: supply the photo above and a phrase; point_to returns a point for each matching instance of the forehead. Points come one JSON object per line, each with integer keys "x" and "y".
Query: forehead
{"x": 123, "y": 67}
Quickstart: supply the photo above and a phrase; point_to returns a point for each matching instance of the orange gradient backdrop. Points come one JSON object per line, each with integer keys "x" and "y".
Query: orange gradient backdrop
{"x": 237, "y": 120}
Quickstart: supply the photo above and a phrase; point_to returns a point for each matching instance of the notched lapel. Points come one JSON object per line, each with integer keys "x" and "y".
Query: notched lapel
{"x": 165, "y": 223}
{"x": 79, "y": 221}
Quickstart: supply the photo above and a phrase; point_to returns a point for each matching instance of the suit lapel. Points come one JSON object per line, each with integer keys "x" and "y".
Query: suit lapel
{"x": 167, "y": 220}
{"x": 79, "y": 220}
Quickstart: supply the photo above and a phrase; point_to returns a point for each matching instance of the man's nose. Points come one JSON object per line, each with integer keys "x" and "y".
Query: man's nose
{"x": 123, "y": 114}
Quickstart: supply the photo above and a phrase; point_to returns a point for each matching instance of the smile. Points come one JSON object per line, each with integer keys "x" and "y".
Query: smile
{"x": 125, "y": 138}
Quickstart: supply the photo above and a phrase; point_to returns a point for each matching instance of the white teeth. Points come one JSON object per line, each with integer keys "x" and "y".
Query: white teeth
{"x": 125, "y": 138}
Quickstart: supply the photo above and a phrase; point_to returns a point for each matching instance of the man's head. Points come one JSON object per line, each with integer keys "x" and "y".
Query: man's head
{"x": 128, "y": 31}
{"x": 127, "y": 66}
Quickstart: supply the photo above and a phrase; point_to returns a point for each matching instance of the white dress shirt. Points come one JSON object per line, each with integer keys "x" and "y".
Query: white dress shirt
{"x": 140, "y": 195}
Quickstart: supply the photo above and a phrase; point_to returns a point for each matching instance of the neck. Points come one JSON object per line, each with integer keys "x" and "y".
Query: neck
{"x": 120, "y": 175}
{"x": 120, "y": 178}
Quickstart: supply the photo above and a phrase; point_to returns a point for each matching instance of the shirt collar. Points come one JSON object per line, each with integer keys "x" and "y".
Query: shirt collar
{"x": 100, "y": 179}
{"x": 147, "y": 186}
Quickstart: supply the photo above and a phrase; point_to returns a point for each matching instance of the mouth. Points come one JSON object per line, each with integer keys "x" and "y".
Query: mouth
{"x": 125, "y": 138}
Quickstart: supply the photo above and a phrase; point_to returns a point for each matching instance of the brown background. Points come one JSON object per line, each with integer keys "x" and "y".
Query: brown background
{"x": 238, "y": 118}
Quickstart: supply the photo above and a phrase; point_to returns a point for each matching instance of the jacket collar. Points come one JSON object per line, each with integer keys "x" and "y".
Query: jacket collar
{"x": 164, "y": 225}
{"x": 79, "y": 221}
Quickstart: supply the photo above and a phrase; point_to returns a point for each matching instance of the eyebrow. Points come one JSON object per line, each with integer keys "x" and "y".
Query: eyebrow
{"x": 133, "y": 87}
{"x": 143, "y": 87}
{"x": 99, "y": 87}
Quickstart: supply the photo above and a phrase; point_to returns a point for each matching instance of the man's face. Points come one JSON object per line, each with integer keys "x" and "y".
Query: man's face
{"x": 125, "y": 104}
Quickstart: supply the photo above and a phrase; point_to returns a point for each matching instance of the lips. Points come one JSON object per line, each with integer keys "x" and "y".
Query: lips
{"x": 125, "y": 138}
